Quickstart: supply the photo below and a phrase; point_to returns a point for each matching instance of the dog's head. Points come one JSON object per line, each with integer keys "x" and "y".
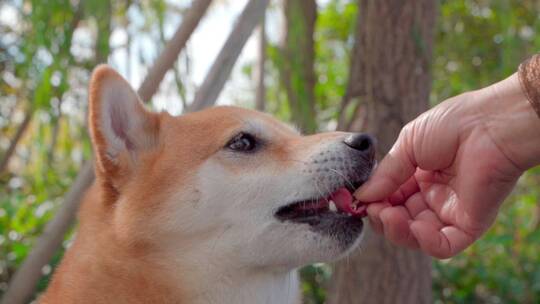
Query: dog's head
{"x": 224, "y": 183}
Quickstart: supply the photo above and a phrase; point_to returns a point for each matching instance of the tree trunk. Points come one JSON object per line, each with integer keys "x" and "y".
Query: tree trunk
{"x": 260, "y": 96}
{"x": 297, "y": 71}
{"x": 390, "y": 79}
{"x": 57, "y": 121}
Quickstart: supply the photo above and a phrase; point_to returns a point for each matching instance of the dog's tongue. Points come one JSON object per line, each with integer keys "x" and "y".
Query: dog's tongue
{"x": 344, "y": 202}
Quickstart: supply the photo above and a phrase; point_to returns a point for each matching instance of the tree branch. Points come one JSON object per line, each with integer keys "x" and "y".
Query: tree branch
{"x": 170, "y": 53}
{"x": 15, "y": 140}
{"x": 224, "y": 63}
{"x": 260, "y": 97}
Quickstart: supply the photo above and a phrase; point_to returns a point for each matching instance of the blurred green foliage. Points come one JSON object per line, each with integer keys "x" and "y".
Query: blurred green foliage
{"x": 44, "y": 69}
{"x": 479, "y": 42}
{"x": 504, "y": 266}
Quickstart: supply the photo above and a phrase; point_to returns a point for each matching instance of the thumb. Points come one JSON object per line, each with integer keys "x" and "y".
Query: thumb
{"x": 393, "y": 171}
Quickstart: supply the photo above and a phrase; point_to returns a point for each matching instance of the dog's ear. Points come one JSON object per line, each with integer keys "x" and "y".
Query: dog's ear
{"x": 120, "y": 126}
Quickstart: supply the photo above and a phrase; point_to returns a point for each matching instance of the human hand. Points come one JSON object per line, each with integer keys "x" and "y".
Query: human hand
{"x": 441, "y": 185}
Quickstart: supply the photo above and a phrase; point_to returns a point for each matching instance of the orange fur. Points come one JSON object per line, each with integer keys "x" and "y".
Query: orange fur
{"x": 111, "y": 261}
{"x": 121, "y": 253}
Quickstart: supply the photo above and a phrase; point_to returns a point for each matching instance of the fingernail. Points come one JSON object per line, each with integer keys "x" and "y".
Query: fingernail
{"x": 358, "y": 192}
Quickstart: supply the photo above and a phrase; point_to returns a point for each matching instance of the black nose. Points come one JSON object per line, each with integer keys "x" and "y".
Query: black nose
{"x": 361, "y": 142}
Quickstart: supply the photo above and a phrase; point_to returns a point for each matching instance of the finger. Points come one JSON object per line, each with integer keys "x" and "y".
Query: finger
{"x": 442, "y": 199}
{"x": 373, "y": 211}
{"x": 396, "y": 226}
{"x": 409, "y": 188}
{"x": 434, "y": 177}
{"x": 429, "y": 216}
{"x": 416, "y": 204}
{"x": 394, "y": 170}
{"x": 440, "y": 243}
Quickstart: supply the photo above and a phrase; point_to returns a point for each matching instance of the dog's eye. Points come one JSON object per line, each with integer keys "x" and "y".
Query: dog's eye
{"x": 242, "y": 142}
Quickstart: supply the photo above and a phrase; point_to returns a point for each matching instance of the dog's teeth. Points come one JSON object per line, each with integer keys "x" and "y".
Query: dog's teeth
{"x": 332, "y": 206}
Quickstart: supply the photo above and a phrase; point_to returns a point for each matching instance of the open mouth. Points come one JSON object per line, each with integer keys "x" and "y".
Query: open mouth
{"x": 339, "y": 204}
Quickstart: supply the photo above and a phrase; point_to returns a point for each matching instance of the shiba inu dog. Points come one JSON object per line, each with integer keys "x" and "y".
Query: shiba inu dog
{"x": 217, "y": 206}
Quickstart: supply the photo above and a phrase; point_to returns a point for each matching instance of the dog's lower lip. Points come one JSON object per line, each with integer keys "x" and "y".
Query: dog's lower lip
{"x": 339, "y": 202}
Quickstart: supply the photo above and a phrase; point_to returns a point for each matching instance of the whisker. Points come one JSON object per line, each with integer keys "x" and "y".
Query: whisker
{"x": 297, "y": 160}
{"x": 343, "y": 176}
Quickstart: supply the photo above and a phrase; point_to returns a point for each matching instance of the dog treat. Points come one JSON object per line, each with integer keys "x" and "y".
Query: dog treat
{"x": 345, "y": 202}
{"x": 529, "y": 76}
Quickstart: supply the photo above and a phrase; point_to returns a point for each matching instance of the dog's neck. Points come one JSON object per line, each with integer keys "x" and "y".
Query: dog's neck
{"x": 260, "y": 287}
{"x": 97, "y": 265}
{"x": 99, "y": 268}
{"x": 87, "y": 274}
{"x": 208, "y": 277}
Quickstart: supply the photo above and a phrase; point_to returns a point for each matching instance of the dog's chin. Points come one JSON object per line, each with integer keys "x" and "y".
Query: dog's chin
{"x": 334, "y": 223}
{"x": 341, "y": 227}
{"x": 332, "y": 238}
{"x": 344, "y": 229}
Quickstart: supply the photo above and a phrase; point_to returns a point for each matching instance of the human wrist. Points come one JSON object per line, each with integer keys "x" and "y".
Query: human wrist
{"x": 529, "y": 78}
{"x": 512, "y": 121}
